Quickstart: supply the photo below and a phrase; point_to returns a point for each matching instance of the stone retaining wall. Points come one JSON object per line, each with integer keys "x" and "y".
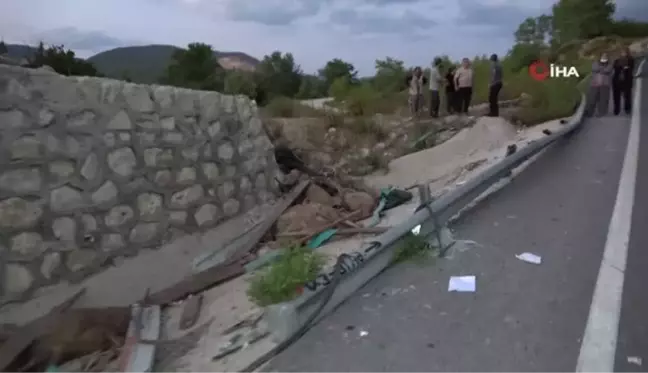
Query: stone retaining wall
{"x": 93, "y": 169}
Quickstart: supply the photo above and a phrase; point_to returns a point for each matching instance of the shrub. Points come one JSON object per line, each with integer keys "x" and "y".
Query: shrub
{"x": 282, "y": 280}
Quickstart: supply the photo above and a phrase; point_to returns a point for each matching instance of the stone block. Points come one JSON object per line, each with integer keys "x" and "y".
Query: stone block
{"x": 27, "y": 180}
{"x": 65, "y": 198}
{"x": 122, "y": 161}
{"x": 187, "y": 197}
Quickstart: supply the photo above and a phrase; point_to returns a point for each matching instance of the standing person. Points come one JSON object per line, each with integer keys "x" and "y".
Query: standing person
{"x": 451, "y": 94}
{"x": 435, "y": 83}
{"x": 622, "y": 82}
{"x": 602, "y": 72}
{"x": 495, "y": 86}
{"x": 464, "y": 78}
{"x": 415, "y": 83}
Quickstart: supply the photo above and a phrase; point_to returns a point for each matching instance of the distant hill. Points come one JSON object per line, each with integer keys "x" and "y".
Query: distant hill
{"x": 19, "y": 51}
{"x": 143, "y": 64}
{"x": 146, "y": 64}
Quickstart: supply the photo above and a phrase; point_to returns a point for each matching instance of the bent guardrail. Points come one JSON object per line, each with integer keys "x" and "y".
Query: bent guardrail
{"x": 288, "y": 321}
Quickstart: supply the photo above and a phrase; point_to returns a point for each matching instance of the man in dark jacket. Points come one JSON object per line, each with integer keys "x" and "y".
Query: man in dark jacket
{"x": 451, "y": 97}
{"x": 622, "y": 82}
{"x": 495, "y": 87}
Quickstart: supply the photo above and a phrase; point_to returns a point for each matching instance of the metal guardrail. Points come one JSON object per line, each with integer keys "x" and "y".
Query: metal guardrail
{"x": 290, "y": 320}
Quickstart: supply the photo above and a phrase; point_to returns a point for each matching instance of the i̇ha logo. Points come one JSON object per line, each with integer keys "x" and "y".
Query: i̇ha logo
{"x": 541, "y": 71}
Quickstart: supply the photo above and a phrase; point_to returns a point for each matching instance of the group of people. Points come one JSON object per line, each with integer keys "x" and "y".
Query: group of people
{"x": 614, "y": 78}
{"x": 457, "y": 84}
{"x": 611, "y": 77}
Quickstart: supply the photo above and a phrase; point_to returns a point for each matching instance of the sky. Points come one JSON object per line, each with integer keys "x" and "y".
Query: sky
{"x": 314, "y": 31}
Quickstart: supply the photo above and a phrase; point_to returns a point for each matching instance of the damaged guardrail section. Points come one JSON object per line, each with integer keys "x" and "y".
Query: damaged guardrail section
{"x": 290, "y": 319}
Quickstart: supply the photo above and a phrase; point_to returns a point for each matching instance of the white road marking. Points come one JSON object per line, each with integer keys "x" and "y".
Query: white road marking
{"x": 599, "y": 342}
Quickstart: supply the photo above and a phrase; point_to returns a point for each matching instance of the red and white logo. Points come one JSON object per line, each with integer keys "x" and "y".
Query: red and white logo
{"x": 540, "y": 71}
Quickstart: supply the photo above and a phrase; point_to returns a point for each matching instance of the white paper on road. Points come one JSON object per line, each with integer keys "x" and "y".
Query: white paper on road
{"x": 462, "y": 284}
{"x": 529, "y": 258}
{"x": 636, "y": 360}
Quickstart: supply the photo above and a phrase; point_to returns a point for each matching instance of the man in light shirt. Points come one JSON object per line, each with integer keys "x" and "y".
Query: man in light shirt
{"x": 435, "y": 84}
{"x": 464, "y": 78}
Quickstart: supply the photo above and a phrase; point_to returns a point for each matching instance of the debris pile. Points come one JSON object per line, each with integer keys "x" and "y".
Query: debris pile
{"x": 313, "y": 208}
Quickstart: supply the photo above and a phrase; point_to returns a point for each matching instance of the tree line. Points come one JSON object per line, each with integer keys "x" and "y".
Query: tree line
{"x": 279, "y": 75}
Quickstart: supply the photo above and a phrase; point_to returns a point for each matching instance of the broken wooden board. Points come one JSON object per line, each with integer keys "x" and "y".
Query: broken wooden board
{"x": 255, "y": 236}
{"x": 196, "y": 283}
{"x": 241, "y": 245}
{"x": 145, "y": 326}
{"x": 190, "y": 311}
{"x": 27, "y": 334}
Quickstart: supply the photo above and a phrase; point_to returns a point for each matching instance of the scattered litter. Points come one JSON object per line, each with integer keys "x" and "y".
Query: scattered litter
{"x": 366, "y": 295}
{"x": 462, "y": 284}
{"x": 529, "y": 258}
{"x": 511, "y": 216}
{"x": 460, "y": 183}
{"x": 427, "y": 306}
{"x": 364, "y": 333}
{"x": 636, "y": 360}
{"x": 416, "y": 230}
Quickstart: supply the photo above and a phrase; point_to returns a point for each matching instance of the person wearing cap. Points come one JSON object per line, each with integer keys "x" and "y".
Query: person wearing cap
{"x": 495, "y": 86}
{"x": 435, "y": 83}
{"x": 622, "y": 80}
{"x": 602, "y": 71}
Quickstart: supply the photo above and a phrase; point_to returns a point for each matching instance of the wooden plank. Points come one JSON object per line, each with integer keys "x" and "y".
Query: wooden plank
{"x": 197, "y": 283}
{"x": 191, "y": 311}
{"x": 145, "y": 326}
{"x": 232, "y": 267}
{"x": 256, "y": 235}
{"x": 27, "y": 334}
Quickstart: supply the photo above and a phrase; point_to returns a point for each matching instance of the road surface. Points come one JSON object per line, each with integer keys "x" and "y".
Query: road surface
{"x": 574, "y": 204}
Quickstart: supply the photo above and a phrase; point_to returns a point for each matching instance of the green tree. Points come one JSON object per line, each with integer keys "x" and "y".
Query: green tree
{"x": 240, "y": 83}
{"x": 534, "y": 30}
{"x": 278, "y": 75}
{"x": 628, "y": 28}
{"x": 336, "y": 69}
{"x": 62, "y": 60}
{"x": 312, "y": 87}
{"x": 390, "y": 75}
{"x": 195, "y": 67}
{"x": 580, "y": 19}
{"x": 339, "y": 89}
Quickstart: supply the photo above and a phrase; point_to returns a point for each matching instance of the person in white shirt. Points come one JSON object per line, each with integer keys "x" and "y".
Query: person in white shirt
{"x": 464, "y": 79}
{"x": 436, "y": 80}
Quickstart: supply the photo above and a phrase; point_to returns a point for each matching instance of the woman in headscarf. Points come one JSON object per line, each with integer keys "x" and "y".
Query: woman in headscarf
{"x": 602, "y": 71}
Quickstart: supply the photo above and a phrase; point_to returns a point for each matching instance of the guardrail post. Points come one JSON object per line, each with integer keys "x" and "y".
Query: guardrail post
{"x": 441, "y": 236}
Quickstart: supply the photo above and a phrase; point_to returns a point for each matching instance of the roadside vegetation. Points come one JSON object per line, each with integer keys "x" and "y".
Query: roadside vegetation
{"x": 282, "y": 280}
{"x": 572, "y": 34}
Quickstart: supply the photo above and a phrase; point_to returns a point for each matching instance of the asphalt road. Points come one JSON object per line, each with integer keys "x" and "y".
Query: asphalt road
{"x": 523, "y": 317}
{"x": 633, "y": 326}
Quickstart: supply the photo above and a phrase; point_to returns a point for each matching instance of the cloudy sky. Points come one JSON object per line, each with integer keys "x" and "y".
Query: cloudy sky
{"x": 315, "y": 31}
